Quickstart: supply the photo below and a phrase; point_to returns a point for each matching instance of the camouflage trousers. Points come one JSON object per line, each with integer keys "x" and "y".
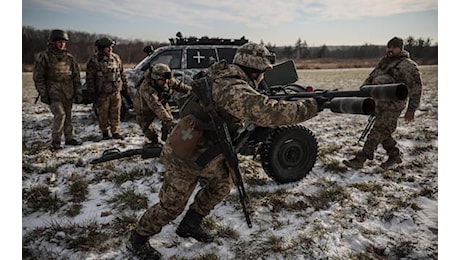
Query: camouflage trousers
{"x": 180, "y": 180}
{"x": 62, "y": 119}
{"x": 145, "y": 120}
{"x": 386, "y": 122}
{"x": 108, "y": 109}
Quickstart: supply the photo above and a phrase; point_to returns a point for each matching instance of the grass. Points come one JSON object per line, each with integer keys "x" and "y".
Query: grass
{"x": 328, "y": 208}
{"x": 41, "y": 198}
{"x": 128, "y": 198}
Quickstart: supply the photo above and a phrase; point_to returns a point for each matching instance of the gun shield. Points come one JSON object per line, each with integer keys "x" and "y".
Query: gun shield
{"x": 354, "y": 105}
{"x": 397, "y": 91}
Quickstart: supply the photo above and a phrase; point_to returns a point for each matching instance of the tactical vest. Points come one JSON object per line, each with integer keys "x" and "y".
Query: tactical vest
{"x": 387, "y": 69}
{"x": 385, "y": 74}
{"x": 60, "y": 66}
{"x": 192, "y": 106}
{"x": 108, "y": 75}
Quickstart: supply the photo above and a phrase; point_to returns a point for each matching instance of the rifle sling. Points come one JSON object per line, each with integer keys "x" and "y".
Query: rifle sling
{"x": 208, "y": 155}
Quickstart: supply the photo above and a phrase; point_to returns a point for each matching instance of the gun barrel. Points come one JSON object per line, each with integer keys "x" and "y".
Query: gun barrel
{"x": 353, "y": 105}
{"x": 396, "y": 91}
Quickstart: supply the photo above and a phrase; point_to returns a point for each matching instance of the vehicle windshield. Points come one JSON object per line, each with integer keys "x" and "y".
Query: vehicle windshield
{"x": 144, "y": 62}
{"x": 172, "y": 58}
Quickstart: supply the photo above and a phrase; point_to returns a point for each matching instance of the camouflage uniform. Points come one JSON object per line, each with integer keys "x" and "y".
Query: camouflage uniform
{"x": 106, "y": 79}
{"x": 394, "y": 69}
{"x": 236, "y": 100}
{"x": 151, "y": 101}
{"x": 57, "y": 79}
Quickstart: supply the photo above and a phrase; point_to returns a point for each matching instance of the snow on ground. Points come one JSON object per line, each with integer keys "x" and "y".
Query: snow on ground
{"x": 333, "y": 213}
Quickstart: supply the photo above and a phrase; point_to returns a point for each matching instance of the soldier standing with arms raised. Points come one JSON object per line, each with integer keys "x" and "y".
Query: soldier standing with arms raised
{"x": 106, "y": 82}
{"x": 57, "y": 79}
{"x": 236, "y": 100}
{"x": 395, "y": 67}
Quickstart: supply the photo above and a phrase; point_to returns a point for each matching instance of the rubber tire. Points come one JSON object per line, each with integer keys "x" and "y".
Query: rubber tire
{"x": 289, "y": 153}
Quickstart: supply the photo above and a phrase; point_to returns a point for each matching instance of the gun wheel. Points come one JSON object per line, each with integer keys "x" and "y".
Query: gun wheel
{"x": 289, "y": 153}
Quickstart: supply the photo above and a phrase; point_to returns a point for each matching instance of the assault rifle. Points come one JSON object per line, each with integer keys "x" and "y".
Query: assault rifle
{"x": 203, "y": 90}
{"x": 115, "y": 153}
{"x": 370, "y": 124}
{"x": 349, "y": 102}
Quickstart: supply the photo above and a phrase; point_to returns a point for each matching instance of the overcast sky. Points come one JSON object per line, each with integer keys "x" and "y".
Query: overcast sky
{"x": 330, "y": 22}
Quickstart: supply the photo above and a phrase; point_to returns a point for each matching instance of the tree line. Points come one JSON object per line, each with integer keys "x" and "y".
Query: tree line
{"x": 82, "y": 46}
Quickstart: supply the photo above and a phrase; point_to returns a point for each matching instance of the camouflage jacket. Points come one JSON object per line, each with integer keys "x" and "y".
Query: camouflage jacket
{"x": 399, "y": 69}
{"x": 105, "y": 74}
{"x": 55, "y": 73}
{"x": 150, "y": 97}
{"x": 237, "y": 100}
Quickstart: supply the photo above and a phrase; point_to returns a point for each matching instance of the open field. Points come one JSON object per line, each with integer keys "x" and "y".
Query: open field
{"x": 76, "y": 210}
{"x": 301, "y": 64}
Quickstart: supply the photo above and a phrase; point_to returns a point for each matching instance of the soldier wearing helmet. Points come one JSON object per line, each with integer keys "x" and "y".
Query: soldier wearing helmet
{"x": 57, "y": 79}
{"x": 191, "y": 151}
{"x": 106, "y": 83}
{"x": 152, "y": 98}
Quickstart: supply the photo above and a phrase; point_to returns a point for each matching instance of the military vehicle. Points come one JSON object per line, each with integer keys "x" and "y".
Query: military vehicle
{"x": 186, "y": 56}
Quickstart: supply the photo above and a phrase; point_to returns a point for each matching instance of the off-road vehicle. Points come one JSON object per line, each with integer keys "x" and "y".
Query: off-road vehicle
{"x": 185, "y": 56}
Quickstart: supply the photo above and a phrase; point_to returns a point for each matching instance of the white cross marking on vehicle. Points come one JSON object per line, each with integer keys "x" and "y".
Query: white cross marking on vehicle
{"x": 198, "y": 57}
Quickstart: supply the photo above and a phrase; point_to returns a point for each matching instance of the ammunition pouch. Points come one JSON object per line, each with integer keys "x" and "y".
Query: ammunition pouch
{"x": 112, "y": 75}
{"x": 185, "y": 137}
{"x": 208, "y": 155}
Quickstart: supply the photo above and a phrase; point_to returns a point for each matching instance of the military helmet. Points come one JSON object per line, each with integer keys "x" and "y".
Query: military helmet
{"x": 254, "y": 56}
{"x": 396, "y": 42}
{"x": 161, "y": 71}
{"x": 104, "y": 42}
{"x": 56, "y": 35}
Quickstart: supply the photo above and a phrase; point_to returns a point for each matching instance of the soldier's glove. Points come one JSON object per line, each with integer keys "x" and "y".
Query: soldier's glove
{"x": 166, "y": 128}
{"x": 45, "y": 99}
{"x": 321, "y": 101}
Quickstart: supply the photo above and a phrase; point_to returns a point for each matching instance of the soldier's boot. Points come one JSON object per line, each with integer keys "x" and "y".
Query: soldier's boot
{"x": 118, "y": 136}
{"x": 140, "y": 246}
{"x": 190, "y": 227}
{"x": 152, "y": 138}
{"x": 56, "y": 145}
{"x": 394, "y": 157}
{"x": 72, "y": 141}
{"x": 106, "y": 136}
{"x": 357, "y": 162}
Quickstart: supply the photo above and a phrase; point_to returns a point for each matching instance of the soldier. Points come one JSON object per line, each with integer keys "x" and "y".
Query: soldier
{"x": 106, "y": 83}
{"x": 395, "y": 67}
{"x": 57, "y": 79}
{"x": 152, "y": 101}
{"x": 236, "y": 100}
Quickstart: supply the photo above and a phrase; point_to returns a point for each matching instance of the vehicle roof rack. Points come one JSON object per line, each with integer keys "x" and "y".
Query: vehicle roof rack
{"x": 205, "y": 40}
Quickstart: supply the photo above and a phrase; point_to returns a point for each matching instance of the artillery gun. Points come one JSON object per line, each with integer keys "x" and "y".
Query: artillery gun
{"x": 288, "y": 153}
